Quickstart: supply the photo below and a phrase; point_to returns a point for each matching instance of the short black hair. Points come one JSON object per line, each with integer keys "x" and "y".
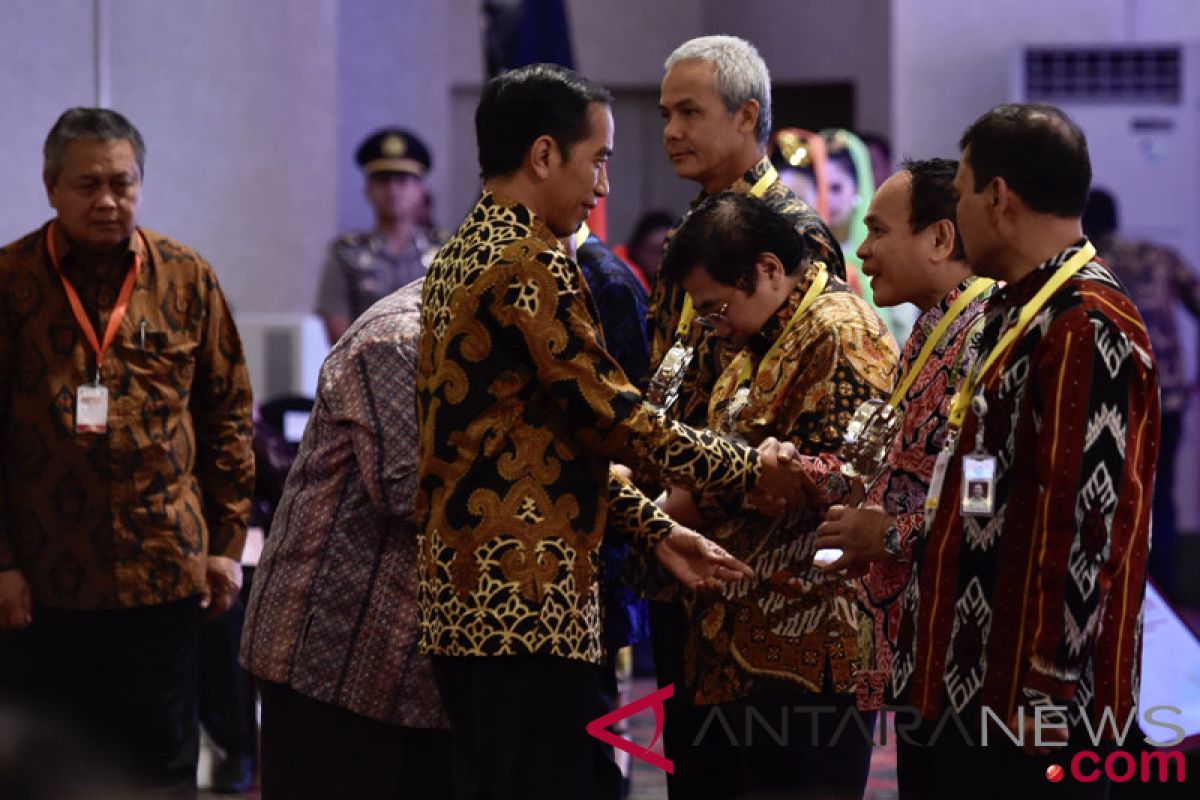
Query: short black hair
{"x": 932, "y": 195}
{"x": 647, "y": 223}
{"x": 519, "y": 106}
{"x": 1100, "y": 218}
{"x": 88, "y": 123}
{"x": 725, "y": 235}
{"x": 1039, "y": 152}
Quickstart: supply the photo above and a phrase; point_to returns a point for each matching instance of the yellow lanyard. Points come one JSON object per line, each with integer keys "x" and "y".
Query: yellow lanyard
{"x": 978, "y": 287}
{"x": 962, "y": 400}
{"x": 689, "y": 311}
{"x": 581, "y": 236}
{"x": 814, "y": 291}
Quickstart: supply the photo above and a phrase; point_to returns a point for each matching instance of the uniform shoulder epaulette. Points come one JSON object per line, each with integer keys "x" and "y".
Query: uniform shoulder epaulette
{"x": 352, "y": 239}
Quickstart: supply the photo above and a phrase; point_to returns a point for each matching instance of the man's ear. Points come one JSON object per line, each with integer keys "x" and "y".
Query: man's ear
{"x": 542, "y": 154}
{"x": 943, "y": 239}
{"x": 770, "y": 269}
{"x": 747, "y": 116}
{"x": 999, "y": 194}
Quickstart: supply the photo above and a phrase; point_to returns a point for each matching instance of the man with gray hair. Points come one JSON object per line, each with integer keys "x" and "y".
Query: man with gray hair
{"x": 125, "y": 461}
{"x": 716, "y": 105}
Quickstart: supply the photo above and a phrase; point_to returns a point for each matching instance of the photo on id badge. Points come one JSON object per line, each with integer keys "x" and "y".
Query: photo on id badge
{"x": 978, "y": 485}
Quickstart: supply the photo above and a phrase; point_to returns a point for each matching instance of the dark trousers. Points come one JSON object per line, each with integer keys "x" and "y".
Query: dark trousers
{"x": 1162, "y": 565}
{"x": 812, "y": 745}
{"x": 519, "y": 726}
{"x": 125, "y": 679}
{"x": 227, "y": 691}
{"x": 317, "y": 750}
{"x": 933, "y": 764}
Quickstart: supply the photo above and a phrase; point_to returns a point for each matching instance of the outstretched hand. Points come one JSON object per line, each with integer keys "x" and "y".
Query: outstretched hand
{"x": 699, "y": 563}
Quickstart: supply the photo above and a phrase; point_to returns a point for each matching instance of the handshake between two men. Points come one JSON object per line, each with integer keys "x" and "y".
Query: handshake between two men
{"x": 702, "y": 565}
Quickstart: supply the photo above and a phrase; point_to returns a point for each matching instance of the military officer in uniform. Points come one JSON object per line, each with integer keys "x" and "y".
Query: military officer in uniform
{"x": 362, "y": 267}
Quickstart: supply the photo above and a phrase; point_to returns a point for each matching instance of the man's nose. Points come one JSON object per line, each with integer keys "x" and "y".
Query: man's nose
{"x": 602, "y": 183}
{"x": 671, "y": 128}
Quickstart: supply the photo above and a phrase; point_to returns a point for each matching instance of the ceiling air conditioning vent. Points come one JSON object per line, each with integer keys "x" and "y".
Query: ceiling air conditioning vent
{"x": 1104, "y": 75}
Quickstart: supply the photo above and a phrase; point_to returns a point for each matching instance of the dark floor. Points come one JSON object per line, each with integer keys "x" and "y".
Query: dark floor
{"x": 649, "y": 783}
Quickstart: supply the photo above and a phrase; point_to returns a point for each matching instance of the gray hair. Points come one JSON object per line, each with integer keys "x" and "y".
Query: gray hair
{"x": 741, "y": 74}
{"x": 88, "y": 123}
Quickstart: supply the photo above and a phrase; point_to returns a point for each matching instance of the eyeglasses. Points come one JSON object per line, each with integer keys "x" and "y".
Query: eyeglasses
{"x": 711, "y": 319}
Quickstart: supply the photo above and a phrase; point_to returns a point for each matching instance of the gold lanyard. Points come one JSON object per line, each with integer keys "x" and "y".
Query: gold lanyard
{"x": 978, "y": 287}
{"x": 688, "y": 314}
{"x": 962, "y": 400}
{"x": 814, "y": 291}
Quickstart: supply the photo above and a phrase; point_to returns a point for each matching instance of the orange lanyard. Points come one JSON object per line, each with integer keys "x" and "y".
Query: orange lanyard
{"x": 118, "y": 313}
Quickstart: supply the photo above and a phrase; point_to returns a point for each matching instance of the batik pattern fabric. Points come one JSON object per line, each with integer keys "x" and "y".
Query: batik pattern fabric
{"x": 333, "y": 611}
{"x": 903, "y": 484}
{"x": 1040, "y": 603}
{"x": 792, "y": 623}
{"x": 520, "y": 409}
{"x": 127, "y": 517}
{"x": 710, "y": 354}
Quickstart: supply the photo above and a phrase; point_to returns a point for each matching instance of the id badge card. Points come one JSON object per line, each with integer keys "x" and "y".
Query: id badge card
{"x": 91, "y": 409}
{"x": 978, "y": 485}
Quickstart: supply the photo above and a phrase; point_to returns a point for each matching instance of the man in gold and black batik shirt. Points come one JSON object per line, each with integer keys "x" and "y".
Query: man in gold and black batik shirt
{"x": 519, "y": 411}
{"x": 790, "y": 638}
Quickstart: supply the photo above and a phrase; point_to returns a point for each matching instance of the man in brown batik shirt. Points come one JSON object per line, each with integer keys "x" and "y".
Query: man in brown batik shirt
{"x": 125, "y": 426}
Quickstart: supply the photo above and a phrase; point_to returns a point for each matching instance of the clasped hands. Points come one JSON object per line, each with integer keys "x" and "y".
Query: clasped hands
{"x": 702, "y": 565}
{"x": 782, "y": 483}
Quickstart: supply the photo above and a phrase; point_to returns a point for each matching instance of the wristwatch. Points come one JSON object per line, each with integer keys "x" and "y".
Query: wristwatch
{"x": 891, "y": 543}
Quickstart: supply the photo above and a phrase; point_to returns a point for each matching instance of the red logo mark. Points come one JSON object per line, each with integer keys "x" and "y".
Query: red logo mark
{"x": 599, "y": 728}
{"x": 1054, "y": 773}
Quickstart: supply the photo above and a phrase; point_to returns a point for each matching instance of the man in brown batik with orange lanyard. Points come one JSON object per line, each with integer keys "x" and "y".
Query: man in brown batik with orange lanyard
{"x": 125, "y": 426}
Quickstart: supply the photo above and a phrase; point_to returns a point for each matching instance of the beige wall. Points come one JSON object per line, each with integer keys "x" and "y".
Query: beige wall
{"x": 951, "y": 60}
{"x": 46, "y": 65}
{"x": 234, "y": 100}
{"x": 807, "y": 41}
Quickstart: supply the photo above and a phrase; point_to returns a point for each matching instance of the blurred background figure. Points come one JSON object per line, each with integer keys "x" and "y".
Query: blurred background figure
{"x": 1157, "y": 280}
{"x": 644, "y": 250}
{"x": 800, "y": 157}
{"x": 880, "y": 151}
{"x": 363, "y": 266}
{"x": 834, "y": 173}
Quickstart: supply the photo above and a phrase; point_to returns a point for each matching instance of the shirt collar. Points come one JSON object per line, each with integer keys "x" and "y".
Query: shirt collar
{"x": 930, "y": 317}
{"x": 744, "y": 184}
{"x": 1022, "y": 291}
{"x": 494, "y": 202}
{"x": 762, "y": 341}
{"x": 73, "y": 258}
